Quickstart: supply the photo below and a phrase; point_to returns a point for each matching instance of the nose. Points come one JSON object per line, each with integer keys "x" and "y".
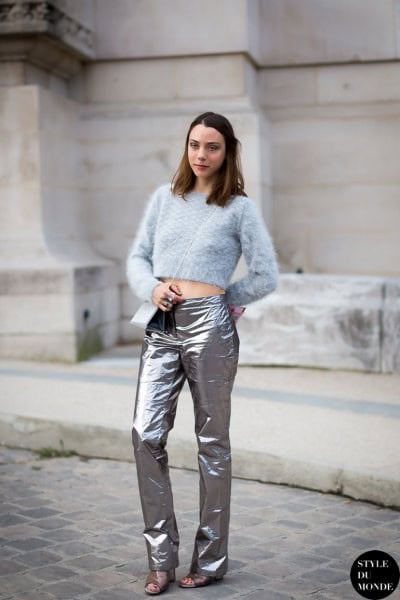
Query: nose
{"x": 201, "y": 154}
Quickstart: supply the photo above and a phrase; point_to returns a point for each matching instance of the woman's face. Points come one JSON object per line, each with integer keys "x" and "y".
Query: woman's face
{"x": 206, "y": 152}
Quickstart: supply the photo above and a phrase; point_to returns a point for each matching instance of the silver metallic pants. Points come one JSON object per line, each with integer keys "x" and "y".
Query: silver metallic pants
{"x": 202, "y": 346}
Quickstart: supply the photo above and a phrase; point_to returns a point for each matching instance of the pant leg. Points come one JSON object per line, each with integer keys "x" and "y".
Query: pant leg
{"x": 161, "y": 378}
{"x": 210, "y": 360}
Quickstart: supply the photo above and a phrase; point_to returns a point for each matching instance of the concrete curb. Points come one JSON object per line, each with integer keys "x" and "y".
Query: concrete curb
{"x": 101, "y": 442}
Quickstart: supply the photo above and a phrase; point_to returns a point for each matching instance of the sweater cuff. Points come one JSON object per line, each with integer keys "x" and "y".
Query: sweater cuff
{"x": 148, "y": 287}
{"x": 232, "y": 295}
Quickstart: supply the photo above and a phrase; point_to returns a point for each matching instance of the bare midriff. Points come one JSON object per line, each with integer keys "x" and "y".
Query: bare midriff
{"x": 195, "y": 289}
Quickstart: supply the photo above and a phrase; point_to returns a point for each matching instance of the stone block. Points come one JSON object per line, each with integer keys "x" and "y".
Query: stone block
{"x": 358, "y": 83}
{"x": 308, "y": 152}
{"x": 129, "y": 302}
{"x": 226, "y": 75}
{"x": 75, "y": 311}
{"x": 316, "y": 32}
{"x": 315, "y": 320}
{"x": 355, "y": 84}
{"x": 391, "y": 327}
{"x": 324, "y": 251}
{"x": 355, "y": 252}
{"x": 21, "y": 216}
{"x": 11, "y": 73}
{"x": 39, "y": 29}
{"x": 110, "y": 333}
{"x": 58, "y": 85}
{"x": 308, "y": 221}
{"x": 97, "y": 314}
{"x": 42, "y": 203}
{"x": 142, "y": 81}
{"x": 149, "y": 29}
{"x": 87, "y": 310}
{"x": 63, "y": 212}
{"x": 397, "y": 28}
{"x": 113, "y": 163}
{"x": 34, "y": 75}
{"x": 358, "y": 487}
{"x": 339, "y": 208}
{"x": 82, "y": 11}
{"x": 129, "y": 333}
{"x": 110, "y": 304}
{"x": 288, "y": 87}
{"x": 19, "y": 157}
{"x": 31, "y": 252}
{"x": 40, "y": 314}
{"x": 88, "y": 279}
{"x": 46, "y": 80}
{"x": 59, "y": 116}
{"x": 113, "y": 246}
{"x": 18, "y": 282}
{"x": 61, "y": 175}
{"x": 128, "y": 208}
{"x": 105, "y": 127}
{"x": 253, "y": 130}
{"x": 60, "y": 163}
{"x": 45, "y": 347}
{"x": 19, "y": 110}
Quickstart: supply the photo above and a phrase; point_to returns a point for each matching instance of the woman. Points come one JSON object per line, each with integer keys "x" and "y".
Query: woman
{"x": 199, "y": 227}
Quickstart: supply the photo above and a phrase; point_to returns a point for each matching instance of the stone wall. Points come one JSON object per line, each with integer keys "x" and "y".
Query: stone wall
{"x": 59, "y": 299}
{"x": 335, "y": 145}
{"x": 91, "y": 122}
{"x": 332, "y": 32}
{"x": 325, "y": 321}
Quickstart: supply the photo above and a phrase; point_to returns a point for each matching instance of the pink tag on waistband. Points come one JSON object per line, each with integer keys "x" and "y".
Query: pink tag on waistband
{"x": 236, "y": 311}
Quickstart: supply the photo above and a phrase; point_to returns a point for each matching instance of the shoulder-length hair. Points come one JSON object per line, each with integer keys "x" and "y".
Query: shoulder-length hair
{"x": 229, "y": 180}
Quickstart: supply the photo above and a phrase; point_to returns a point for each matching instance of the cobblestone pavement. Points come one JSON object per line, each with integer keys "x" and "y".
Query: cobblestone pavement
{"x": 71, "y": 528}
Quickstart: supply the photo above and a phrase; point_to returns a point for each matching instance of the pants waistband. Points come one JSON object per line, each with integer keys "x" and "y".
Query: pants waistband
{"x": 214, "y": 300}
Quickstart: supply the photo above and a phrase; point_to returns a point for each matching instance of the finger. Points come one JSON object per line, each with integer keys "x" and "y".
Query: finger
{"x": 176, "y": 289}
{"x": 178, "y": 295}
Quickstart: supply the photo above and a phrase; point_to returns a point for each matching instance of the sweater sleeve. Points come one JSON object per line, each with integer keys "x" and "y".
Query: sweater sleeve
{"x": 139, "y": 266}
{"x": 259, "y": 254}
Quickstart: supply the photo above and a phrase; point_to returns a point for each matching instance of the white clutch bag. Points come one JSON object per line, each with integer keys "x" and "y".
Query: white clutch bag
{"x": 144, "y": 314}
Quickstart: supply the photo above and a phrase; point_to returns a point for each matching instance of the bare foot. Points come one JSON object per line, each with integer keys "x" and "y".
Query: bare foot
{"x": 157, "y": 582}
{"x": 194, "y": 580}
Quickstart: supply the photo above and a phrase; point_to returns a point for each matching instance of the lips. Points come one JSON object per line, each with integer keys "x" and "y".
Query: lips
{"x": 201, "y": 166}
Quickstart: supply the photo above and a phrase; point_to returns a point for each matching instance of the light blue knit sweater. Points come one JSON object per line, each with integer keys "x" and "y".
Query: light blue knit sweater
{"x": 167, "y": 228}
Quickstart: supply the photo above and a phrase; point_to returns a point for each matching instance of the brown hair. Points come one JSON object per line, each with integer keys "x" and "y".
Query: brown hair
{"x": 229, "y": 179}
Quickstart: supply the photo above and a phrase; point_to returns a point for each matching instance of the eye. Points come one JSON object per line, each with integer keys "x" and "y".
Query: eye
{"x": 214, "y": 147}
{"x": 193, "y": 145}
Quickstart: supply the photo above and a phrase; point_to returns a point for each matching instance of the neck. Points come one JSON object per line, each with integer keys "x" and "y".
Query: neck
{"x": 202, "y": 187}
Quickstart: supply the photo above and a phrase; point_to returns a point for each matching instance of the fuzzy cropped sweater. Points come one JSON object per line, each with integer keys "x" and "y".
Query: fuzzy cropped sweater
{"x": 167, "y": 229}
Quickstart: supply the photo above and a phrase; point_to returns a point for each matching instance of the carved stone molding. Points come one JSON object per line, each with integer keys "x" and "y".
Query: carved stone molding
{"x": 21, "y": 19}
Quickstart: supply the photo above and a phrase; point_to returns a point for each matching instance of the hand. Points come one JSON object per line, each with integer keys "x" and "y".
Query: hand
{"x": 165, "y": 296}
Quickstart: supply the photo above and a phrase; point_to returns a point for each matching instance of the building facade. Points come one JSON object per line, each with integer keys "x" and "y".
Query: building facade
{"x": 95, "y": 101}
